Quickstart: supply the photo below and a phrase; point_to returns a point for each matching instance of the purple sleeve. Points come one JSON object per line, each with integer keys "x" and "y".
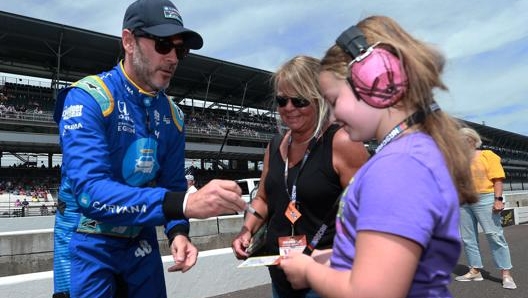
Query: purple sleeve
{"x": 407, "y": 201}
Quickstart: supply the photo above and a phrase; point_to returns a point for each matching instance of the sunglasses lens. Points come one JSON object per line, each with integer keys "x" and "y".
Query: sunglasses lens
{"x": 181, "y": 53}
{"x": 163, "y": 46}
{"x": 299, "y": 102}
{"x": 296, "y": 102}
{"x": 281, "y": 101}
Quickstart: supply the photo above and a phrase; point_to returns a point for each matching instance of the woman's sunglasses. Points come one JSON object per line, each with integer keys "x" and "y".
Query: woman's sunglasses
{"x": 296, "y": 102}
{"x": 164, "y": 45}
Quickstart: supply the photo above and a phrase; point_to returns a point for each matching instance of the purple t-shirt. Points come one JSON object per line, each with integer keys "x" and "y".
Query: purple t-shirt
{"x": 406, "y": 190}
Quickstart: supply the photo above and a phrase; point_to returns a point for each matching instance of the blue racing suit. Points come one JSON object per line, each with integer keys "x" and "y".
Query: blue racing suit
{"x": 122, "y": 175}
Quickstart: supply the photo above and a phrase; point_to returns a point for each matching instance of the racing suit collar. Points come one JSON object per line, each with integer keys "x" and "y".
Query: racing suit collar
{"x": 133, "y": 86}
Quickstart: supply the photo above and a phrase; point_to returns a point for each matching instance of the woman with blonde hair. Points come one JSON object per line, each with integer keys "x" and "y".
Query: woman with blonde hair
{"x": 305, "y": 170}
{"x": 487, "y": 174}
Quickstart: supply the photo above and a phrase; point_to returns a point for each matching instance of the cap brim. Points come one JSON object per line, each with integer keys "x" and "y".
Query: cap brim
{"x": 191, "y": 39}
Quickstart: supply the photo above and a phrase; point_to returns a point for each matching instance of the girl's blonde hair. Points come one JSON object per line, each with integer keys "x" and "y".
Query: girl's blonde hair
{"x": 423, "y": 65}
{"x": 300, "y": 74}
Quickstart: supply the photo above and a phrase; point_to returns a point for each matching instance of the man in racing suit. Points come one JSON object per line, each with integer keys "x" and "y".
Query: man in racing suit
{"x": 123, "y": 173}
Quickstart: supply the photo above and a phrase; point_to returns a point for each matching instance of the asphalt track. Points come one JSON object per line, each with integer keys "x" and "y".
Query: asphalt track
{"x": 490, "y": 287}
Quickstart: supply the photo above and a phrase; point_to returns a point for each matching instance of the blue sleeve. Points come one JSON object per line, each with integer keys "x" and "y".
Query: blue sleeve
{"x": 172, "y": 177}
{"x": 87, "y": 162}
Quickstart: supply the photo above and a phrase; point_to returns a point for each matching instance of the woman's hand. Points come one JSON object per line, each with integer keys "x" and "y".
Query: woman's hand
{"x": 498, "y": 206}
{"x": 240, "y": 243}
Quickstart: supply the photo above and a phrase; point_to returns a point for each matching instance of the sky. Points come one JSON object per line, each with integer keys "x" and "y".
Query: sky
{"x": 485, "y": 41}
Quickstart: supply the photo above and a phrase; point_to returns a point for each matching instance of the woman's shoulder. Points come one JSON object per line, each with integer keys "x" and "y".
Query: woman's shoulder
{"x": 341, "y": 139}
{"x": 489, "y": 155}
{"x": 352, "y": 152}
{"x": 487, "y": 152}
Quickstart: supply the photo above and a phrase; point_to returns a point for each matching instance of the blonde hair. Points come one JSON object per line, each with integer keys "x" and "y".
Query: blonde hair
{"x": 300, "y": 74}
{"x": 423, "y": 65}
{"x": 472, "y": 134}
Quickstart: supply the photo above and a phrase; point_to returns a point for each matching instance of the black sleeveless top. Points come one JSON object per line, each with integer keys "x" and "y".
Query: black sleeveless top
{"x": 318, "y": 188}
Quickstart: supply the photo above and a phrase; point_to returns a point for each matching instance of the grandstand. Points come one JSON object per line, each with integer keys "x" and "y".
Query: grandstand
{"x": 228, "y": 109}
{"x": 36, "y": 186}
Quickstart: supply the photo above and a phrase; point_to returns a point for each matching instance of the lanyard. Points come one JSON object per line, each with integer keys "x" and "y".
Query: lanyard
{"x": 397, "y": 130}
{"x": 293, "y": 195}
{"x": 416, "y": 117}
{"x": 322, "y": 229}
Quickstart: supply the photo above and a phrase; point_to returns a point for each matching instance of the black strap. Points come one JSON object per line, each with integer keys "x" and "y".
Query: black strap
{"x": 322, "y": 229}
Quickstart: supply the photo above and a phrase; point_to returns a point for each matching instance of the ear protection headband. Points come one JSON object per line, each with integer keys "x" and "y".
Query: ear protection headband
{"x": 376, "y": 75}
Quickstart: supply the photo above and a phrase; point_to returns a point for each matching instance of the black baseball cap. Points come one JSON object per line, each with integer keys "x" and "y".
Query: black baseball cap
{"x": 160, "y": 18}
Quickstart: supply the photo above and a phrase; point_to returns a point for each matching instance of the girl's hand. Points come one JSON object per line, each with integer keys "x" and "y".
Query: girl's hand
{"x": 294, "y": 265}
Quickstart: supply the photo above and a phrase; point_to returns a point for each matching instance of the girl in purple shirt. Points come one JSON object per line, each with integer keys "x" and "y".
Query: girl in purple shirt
{"x": 397, "y": 224}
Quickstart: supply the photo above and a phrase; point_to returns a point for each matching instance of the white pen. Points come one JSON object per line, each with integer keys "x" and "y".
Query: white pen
{"x": 252, "y": 210}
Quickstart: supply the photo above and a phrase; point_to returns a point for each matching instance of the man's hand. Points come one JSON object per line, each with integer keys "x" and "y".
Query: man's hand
{"x": 184, "y": 254}
{"x": 215, "y": 198}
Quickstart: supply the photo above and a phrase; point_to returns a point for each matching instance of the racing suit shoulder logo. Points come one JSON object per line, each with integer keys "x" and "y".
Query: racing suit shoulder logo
{"x": 73, "y": 126}
{"x": 177, "y": 115}
{"x": 72, "y": 112}
{"x": 96, "y": 87}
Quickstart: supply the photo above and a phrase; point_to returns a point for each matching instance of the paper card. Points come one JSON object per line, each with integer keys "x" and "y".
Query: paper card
{"x": 260, "y": 261}
{"x": 291, "y": 243}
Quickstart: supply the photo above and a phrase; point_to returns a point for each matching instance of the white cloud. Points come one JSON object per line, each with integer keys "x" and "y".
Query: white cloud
{"x": 488, "y": 30}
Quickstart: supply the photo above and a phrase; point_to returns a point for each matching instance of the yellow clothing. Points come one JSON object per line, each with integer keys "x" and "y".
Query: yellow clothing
{"x": 485, "y": 167}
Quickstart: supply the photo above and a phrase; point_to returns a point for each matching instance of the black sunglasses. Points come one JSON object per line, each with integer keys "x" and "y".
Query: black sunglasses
{"x": 296, "y": 102}
{"x": 164, "y": 45}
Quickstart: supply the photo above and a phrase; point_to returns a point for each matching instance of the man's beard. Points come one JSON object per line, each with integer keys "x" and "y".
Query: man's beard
{"x": 141, "y": 63}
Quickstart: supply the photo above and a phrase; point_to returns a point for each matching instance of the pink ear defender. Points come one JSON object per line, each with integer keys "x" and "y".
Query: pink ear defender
{"x": 376, "y": 75}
